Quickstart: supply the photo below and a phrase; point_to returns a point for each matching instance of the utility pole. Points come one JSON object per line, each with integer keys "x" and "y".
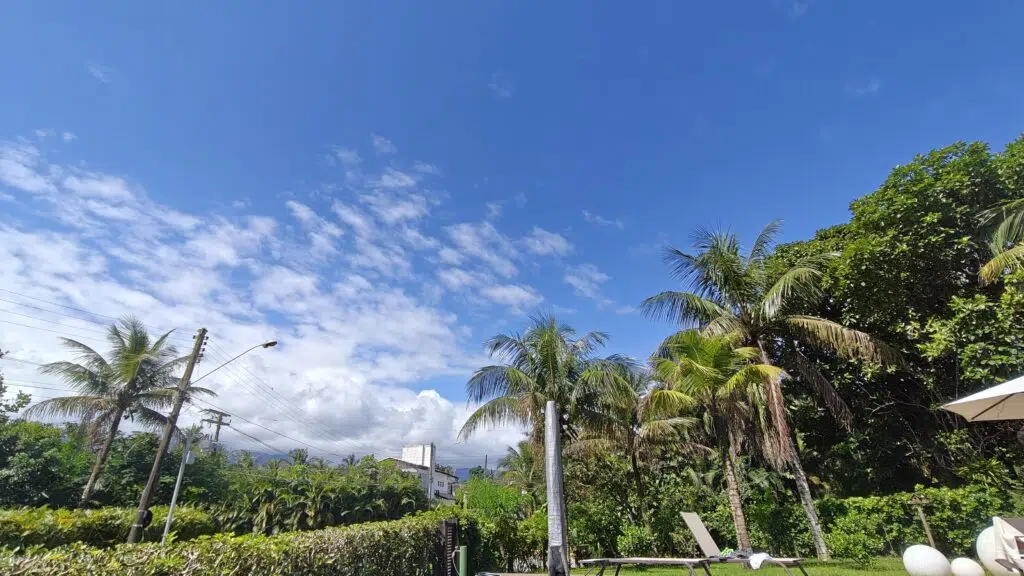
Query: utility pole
{"x": 217, "y": 421}
{"x": 172, "y": 419}
{"x": 186, "y": 455}
{"x": 558, "y": 545}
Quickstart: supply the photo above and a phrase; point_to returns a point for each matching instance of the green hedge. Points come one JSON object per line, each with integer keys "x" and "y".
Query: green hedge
{"x": 27, "y": 527}
{"x": 405, "y": 547}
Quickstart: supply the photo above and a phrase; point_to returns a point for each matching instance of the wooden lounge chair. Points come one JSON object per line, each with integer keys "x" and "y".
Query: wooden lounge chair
{"x": 603, "y": 564}
{"x": 714, "y": 553}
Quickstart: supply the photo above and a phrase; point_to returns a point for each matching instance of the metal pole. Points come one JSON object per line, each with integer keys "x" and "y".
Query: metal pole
{"x": 558, "y": 558}
{"x": 177, "y": 486}
{"x": 463, "y": 561}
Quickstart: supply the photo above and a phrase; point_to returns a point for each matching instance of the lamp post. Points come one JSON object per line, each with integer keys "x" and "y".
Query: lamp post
{"x": 135, "y": 534}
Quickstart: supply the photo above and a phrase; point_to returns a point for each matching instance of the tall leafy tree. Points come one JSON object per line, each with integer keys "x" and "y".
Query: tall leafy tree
{"x": 726, "y": 388}
{"x": 1007, "y": 248}
{"x": 731, "y": 292}
{"x": 625, "y": 418}
{"x": 131, "y": 382}
{"x": 547, "y": 362}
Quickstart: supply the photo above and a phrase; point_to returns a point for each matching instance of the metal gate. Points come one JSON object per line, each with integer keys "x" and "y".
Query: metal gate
{"x": 447, "y": 546}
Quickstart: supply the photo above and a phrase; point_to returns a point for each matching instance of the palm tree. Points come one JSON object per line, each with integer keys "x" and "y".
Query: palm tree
{"x": 625, "y": 419}
{"x": 718, "y": 378}
{"x": 522, "y": 468}
{"x": 729, "y": 292}
{"x": 1006, "y": 245}
{"x": 547, "y": 362}
{"x": 133, "y": 383}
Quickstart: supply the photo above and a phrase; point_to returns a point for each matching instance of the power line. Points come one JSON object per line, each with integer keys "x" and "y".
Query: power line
{"x": 285, "y": 436}
{"x": 48, "y": 330}
{"x": 272, "y": 449}
{"x": 31, "y": 384}
{"x": 93, "y": 322}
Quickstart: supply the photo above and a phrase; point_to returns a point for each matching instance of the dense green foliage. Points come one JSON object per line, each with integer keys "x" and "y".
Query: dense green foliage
{"x": 399, "y": 548}
{"x": 103, "y": 527}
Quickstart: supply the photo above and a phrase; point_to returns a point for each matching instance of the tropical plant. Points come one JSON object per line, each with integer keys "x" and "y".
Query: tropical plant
{"x": 522, "y": 468}
{"x": 132, "y": 382}
{"x": 720, "y": 380}
{"x": 626, "y": 419}
{"x": 732, "y": 293}
{"x": 547, "y": 362}
{"x": 1007, "y": 248}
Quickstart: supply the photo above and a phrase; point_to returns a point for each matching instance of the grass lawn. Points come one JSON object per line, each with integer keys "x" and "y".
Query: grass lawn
{"x": 881, "y": 566}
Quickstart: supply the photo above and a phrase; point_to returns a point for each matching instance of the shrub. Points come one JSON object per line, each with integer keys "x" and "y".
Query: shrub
{"x": 26, "y": 527}
{"x": 405, "y": 547}
{"x": 635, "y": 541}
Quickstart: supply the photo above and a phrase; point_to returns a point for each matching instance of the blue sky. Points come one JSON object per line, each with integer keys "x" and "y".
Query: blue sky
{"x": 478, "y": 161}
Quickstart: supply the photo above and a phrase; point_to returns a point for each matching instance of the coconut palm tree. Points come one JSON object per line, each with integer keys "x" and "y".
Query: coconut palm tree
{"x": 1006, "y": 245}
{"x": 720, "y": 381}
{"x": 547, "y": 362}
{"x": 626, "y": 419}
{"x": 130, "y": 383}
{"x": 522, "y": 468}
{"x": 730, "y": 292}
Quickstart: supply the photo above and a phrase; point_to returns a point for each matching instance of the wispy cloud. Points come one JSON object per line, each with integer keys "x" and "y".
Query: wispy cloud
{"x": 100, "y": 72}
{"x": 493, "y": 210}
{"x": 797, "y": 8}
{"x": 500, "y": 86}
{"x": 543, "y": 243}
{"x": 602, "y": 221}
{"x": 864, "y": 88}
{"x": 68, "y": 136}
{"x": 382, "y": 145}
{"x": 586, "y": 280}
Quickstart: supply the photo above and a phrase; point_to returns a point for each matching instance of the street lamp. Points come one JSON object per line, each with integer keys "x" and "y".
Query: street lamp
{"x": 269, "y": 344}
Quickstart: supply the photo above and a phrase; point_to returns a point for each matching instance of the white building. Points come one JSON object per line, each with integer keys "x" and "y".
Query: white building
{"x": 421, "y": 461}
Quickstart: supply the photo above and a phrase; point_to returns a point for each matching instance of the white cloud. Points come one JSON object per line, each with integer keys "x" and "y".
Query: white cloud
{"x": 622, "y": 310}
{"x": 457, "y": 278}
{"x": 499, "y": 86}
{"x": 396, "y": 207}
{"x": 68, "y": 136}
{"x": 100, "y": 72}
{"x": 382, "y": 145}
{"x": 426, "y": 168}
{"x": 601, "y": 220}
{"x": 483, "y": 241}
{"x": 586, "y": 280}
{"x": 392, "y": 178}
{"x": 513, "y": 295}
{"x": 493, "y": 210}
{"x": 353, "y": 338}
{"x": 520, "y": 200}
{"x": 20, "y": 166}
{"x": 450, "y": 256}
{"x": 349, "y": 158}
{"x": 863, "y": 88}
{"x": 544, "y": 243}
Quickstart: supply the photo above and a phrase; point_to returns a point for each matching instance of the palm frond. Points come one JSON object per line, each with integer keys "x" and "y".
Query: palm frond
{"x": 752, "y": 374}
{"x": 496, "y": 380}
{"x": 684, "y": 308}
{"x": 497, "y": 412}
{"x": 1012, "y": 259}
{"x": 761, "y": 249}
{"x": 81, "y": 378}
{"x": 70, "y": 406}
{"x": 847, "y": 342}
{"x": 1010, "y": 216}
{"x": 798, "y": 281}
{"x": 809, "y": 373}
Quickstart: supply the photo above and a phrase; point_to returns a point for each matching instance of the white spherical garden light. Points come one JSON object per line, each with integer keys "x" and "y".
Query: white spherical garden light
{"x": 921, "y": 560}
{"x": 966, "y": 567}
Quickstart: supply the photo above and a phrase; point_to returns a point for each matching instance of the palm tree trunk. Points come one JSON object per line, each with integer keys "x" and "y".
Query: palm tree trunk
{"x": 641, "y": 493}
{"x": 804, "y": 490}
{"x": 788, "y": 452}
{"x": 736, "y": 503}
{"x": 101, "y": 458}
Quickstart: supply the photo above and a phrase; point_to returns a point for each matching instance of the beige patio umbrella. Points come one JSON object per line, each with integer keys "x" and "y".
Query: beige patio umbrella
{"x": 1002, "y": 402}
